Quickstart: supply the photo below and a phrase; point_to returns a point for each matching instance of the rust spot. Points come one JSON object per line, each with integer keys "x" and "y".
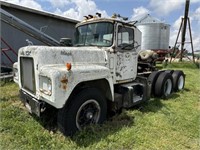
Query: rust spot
{"x": 64, "y": 87}
{"x": 64, "y": 82}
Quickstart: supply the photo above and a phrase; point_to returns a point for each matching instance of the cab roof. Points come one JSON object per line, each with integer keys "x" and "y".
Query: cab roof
{"x": 97, "y": 19}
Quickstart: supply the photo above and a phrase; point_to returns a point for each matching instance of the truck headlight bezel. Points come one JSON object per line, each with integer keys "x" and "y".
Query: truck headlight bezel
{"x": 45, "y": 85}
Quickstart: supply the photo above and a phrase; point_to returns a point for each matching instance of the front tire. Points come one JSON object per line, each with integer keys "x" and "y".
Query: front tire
{"x": 87, "y": 107}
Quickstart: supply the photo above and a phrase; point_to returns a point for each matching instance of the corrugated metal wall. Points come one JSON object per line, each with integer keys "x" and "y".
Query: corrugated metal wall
{"x": 52, "y": 26}
{"x": 155, "y": 33}
{"x": 154, "y": 36}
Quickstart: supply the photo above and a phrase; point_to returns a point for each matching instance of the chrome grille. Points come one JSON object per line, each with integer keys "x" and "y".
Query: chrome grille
{"x": 27, "y": 74}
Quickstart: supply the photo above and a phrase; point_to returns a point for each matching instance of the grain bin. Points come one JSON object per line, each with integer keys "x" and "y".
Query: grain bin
{"x": 155, "y": 33}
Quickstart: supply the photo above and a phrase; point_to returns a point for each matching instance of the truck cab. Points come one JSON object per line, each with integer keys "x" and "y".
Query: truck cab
{"x": 119, "y": 40}
{"x": 84, "y": 82}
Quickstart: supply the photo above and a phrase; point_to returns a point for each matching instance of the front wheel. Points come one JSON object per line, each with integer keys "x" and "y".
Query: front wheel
{"x": 87, "y": 107}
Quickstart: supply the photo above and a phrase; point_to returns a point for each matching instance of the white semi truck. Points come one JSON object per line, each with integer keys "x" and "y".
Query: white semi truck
{"x": 100, "y": 73}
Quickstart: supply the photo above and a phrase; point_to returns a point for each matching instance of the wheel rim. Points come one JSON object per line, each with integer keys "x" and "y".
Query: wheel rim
{"x": 180, "y": 82}
{"x": 167, "y": 87}
{"x": 88, "y": 113}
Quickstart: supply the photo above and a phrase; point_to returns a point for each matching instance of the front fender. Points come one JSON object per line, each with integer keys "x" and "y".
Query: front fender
{"x": 64, "y": 81}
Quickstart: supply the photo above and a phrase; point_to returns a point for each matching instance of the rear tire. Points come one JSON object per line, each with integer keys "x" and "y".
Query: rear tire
{"x": 164, "y": 85}
{"x": 152, "y": 79}
{"x": 178, "y": 80}
{"x": 169, "y": 71}
{"x": 87, "y": 107}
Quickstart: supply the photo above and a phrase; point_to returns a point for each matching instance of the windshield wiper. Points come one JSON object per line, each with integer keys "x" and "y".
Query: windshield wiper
{"x": 90, "y": 44}
{"x": 86, "y": 44}
{"x": 79, "y": 45}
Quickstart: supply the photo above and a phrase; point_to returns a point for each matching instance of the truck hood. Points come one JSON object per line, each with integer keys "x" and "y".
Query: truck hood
{"x": 62, "y": 55}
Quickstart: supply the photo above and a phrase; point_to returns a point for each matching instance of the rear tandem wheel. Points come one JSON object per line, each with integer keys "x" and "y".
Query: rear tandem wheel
{"x": 152, "y": 79}
{"x": 164, "y": 85}
{"x": 178, "y": 80}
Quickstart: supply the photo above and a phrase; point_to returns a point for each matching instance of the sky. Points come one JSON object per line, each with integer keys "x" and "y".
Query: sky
{"x": 168, "y": 11}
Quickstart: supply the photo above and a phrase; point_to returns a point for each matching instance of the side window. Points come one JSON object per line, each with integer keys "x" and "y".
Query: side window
{"x": 125, "y": 37}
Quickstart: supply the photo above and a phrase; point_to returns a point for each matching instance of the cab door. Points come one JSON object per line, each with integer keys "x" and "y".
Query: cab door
{"x": 126, "y": 58}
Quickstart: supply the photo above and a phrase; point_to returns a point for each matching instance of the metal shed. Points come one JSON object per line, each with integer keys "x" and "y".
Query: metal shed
{"x": 40, "y": 24}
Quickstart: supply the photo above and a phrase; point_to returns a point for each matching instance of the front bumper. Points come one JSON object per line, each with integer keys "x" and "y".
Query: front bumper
{"x": 33, "y": 105}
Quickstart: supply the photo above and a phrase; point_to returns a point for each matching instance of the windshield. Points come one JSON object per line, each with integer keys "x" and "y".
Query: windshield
{"x": 94, "y": 34}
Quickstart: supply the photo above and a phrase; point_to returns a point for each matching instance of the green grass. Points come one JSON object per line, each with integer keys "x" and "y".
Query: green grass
{"x": 171, "y": 124}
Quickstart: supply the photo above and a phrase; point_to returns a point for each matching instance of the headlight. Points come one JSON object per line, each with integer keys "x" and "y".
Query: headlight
{"x": 45, "y": 85}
